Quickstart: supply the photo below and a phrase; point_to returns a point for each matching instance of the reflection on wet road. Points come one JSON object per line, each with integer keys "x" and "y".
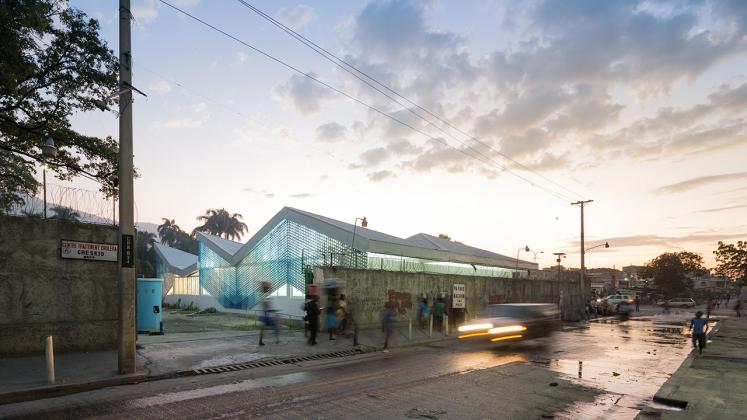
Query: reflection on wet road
{"x": 601, "y": 369}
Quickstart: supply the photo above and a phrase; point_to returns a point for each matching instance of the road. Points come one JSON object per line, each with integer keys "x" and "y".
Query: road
{"x": 623, "y": 364}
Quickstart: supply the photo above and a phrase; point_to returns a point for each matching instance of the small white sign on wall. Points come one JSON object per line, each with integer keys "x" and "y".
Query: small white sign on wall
{"x": 457, "y": 296}
{"x": 88, "y": 251}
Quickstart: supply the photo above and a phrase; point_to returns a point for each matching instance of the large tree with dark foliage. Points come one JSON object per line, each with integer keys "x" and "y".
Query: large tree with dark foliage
{"x": 53, "y": 64}
{"x": 732, "y": 261}
{"x": 673, "y": 272}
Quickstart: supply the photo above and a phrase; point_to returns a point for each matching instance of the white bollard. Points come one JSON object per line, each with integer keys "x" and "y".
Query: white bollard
{"x": 50, "y": 360}
{"x": 446, "y": 324}
{"x": 409, "y": 330}
{"x": 430, "y": 326}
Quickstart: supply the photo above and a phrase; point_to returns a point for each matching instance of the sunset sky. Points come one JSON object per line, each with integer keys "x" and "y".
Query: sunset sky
{"x": 638, "y": 105}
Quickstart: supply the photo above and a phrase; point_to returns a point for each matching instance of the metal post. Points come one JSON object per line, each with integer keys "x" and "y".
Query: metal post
{"x": 126, "y": 333}
{"x": 44, "y": 178}
{"x": 50, "y": 360}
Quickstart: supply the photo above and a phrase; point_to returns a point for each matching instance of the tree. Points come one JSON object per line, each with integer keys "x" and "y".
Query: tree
{"x": 672, "y": 271}
{"x": 168, "y": 232}
{"x": 732, "y": 261}
{"x": 65, "y": 213}
{"x": 219, "y": 222}
{"x": 53, "y": 64}
{"x": 444, "y": 236}
{"x": 146, "y": 263}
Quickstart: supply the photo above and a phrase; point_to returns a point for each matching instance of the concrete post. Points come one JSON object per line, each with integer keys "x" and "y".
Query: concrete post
{"x": 409, "y": 330}
{"x": 50, "y": 360}
{"x": 126, "y": 334}
{"x": 430, "y": 326}
{"x": 446, "y": 324}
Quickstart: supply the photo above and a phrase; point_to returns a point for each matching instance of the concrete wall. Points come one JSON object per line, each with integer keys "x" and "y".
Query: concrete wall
{"x": 41, "y": 294}
{"x": 368, "y": 290}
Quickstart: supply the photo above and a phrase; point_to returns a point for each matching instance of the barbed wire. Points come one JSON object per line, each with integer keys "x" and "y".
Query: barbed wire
{"x": 83, "y": 205}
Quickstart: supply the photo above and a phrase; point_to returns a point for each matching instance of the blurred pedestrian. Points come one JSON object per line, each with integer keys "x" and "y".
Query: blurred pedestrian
{"x": 718, "y": 302}
{"x": 330, "y": 317}
{"x": 387, "y": 324}
{"x": 728, "y": 297}
{"x": 438, "y": 313}
{"x": 699, "y": 328}
{"x": 312, "y": 317}
{"x": 268, "y": 316}
{"x": 423, "y": 313}
{"x": 738, "y": 307}
{"x": 666, "y": 305}
{"x": 709, "y": 307}
{"x": 637, "y": 303}
{"x": 342, "y": 314}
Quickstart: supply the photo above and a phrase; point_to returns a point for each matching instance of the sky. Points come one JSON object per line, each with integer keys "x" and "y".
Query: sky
{"x": 637, "y": 105}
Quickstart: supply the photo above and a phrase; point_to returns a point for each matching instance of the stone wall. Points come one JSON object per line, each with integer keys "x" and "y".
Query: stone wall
{"x": 42, "y": 294}
{"x": 368, "y": 290}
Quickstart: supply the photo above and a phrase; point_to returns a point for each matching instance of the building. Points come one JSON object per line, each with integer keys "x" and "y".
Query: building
{"x": 293, "y": 241}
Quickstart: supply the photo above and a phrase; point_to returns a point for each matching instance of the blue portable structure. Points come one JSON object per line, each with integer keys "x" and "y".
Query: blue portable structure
{"x": 149, "y": 297}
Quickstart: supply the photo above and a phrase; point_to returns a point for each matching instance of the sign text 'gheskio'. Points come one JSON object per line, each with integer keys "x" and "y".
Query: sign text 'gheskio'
{"x": 88, "y": 251}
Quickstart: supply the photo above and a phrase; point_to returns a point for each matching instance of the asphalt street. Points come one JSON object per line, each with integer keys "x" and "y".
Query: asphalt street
{"x": 622, "y": 366}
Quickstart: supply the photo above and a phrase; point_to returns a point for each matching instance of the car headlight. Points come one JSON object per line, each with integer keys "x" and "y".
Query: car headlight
{"x": 508, "y": 328}
{"x": 474, "y": 327}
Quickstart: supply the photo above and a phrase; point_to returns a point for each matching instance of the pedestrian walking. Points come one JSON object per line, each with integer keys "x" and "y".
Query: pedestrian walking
{"x": 342, "y": 314}
{"x": 718, "y": 302}
{"x": 738, "y": 307}
{"x": 728, "y": 297}
{"x": 438, "y": 313}
{"x": 312, "y": 318}
{"x": 268, "y": 317}
{"x": 330, "y": 318}
{"x": 637, "y": 303}
{"x": 699, "y": 328}
{"x": 709, "y": 307}
{"x": 387, "y": 324}
{"x": 423, "y": 313}
{"x": 666, "y": 306}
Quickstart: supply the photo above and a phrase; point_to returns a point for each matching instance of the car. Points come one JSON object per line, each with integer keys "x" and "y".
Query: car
{"x": 678, "y": 302}
{"x": 615, "y": 299}
{"x": 512, "y": 321}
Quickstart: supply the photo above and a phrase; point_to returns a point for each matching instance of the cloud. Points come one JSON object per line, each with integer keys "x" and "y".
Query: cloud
{"x": 263, "y": 193}
{"x": 331, "y": 132}
{"x": 699, "y": 182}
{"x": 403, "y": 147}
{"x": 379, "y": 176}
{"x": 720, "y": 209}
{"x": 372, "y": 158}
{"x": 303, "y": 93}
{"x": 667, "y": 241}
{"x": 182, "y": 122}
{"x": 296, "y": 18}
{"x": 160, "y": 86}
{"x": 301, "y": 195}
{"x": 145, "y": 11}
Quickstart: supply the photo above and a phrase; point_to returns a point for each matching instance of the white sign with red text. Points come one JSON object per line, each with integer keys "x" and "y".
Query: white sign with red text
{"x": 88, "y": 251}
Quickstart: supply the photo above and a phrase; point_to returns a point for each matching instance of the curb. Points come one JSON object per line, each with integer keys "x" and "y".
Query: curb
{"x": 671, "y": 386}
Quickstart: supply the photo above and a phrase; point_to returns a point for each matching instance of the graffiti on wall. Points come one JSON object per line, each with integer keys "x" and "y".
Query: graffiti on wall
{"x": 399, "y": 302}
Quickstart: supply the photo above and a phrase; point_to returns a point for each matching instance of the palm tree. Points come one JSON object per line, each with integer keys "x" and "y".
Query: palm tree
{"x": 219, "y": 222}
{"x": 65, "y": 213}
{"x": 168, "y": 232}
{"x": 146, "y": 254}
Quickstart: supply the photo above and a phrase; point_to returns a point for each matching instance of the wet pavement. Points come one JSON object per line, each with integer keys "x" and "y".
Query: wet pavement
{"x": 622, "y": 365}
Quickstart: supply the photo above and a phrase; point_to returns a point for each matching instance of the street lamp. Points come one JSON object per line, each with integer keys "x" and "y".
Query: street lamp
{"x": 525, "y": 248}
{"x": 606, "y": 245}
{"x": 48, "y": 151}
{"x": 364, "y": 223}
{"x": 535, "y": 254}
{"x": 559, "y": 255}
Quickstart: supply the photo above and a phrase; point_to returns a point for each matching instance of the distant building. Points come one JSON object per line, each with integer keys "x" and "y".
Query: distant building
{"x": 710, "y": 283}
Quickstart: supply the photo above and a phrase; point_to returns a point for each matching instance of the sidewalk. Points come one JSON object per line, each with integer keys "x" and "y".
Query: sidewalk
{"x": 24, "y": 378}
{"x": 711, "y": 385}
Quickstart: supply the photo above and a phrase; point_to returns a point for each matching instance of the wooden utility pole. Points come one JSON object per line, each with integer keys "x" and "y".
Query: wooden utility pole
{"x": 583, "y": 267}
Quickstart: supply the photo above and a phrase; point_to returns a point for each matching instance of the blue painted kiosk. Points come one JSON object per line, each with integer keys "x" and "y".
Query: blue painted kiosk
{"x": 149, "y": 297}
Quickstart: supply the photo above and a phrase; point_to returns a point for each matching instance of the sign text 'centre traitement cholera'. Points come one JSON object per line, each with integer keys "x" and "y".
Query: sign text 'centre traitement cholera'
{"x": 88, "y": 251}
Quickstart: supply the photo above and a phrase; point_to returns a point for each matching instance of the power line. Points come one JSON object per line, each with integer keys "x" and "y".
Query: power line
{"x": 354, "y": 71}
{"x": 347, "y": 95}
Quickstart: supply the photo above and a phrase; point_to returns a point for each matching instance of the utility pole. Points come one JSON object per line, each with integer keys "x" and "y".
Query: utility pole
{"x": 126, "y": 334}
{"x": 583, "y": 267}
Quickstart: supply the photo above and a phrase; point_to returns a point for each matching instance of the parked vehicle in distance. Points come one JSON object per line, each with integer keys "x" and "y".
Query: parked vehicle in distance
{"x": 615, "y": 299}
{"x": 678, "y": 302}
{"x": 513, "y": 321}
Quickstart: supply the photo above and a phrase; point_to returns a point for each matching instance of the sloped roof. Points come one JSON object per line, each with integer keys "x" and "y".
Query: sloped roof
{"x": 417, "y": 246}
{"x": 178, "y": 262}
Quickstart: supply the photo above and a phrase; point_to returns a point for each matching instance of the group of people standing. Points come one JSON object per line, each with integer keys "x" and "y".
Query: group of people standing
{"x": 438, "y": 310}
{"x": 336, "y": 316}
